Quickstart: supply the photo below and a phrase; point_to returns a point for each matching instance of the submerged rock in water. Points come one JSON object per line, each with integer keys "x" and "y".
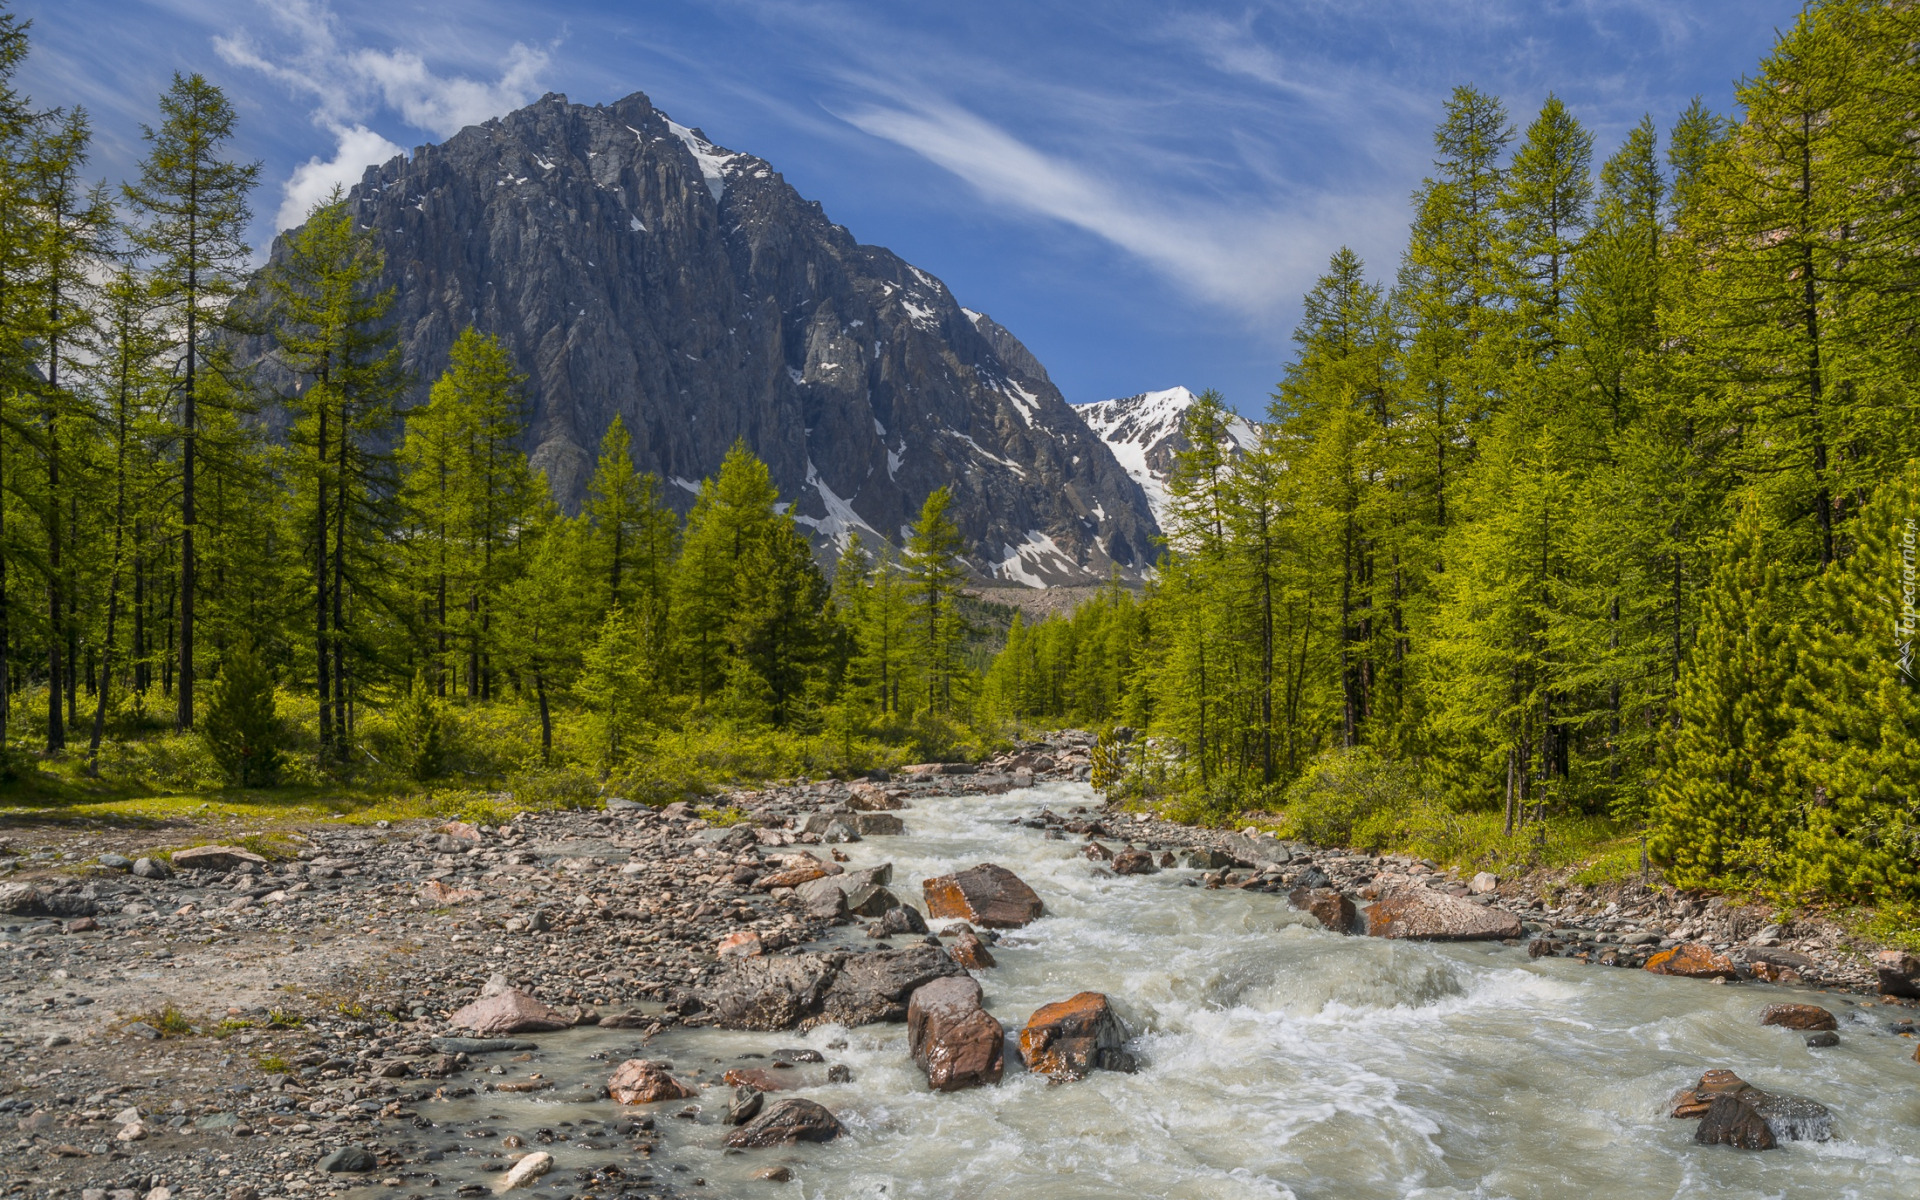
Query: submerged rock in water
{"x": 987, "y": 895}
{"x": 1330, "y": 908}
{"x": 643, "y": 1081}
{"x": 952, "y": 1038}
{"x": 1798, "y": 1016}
{"x": 1781, "y": 1117}
{"x": 792, "y": 1120}
{"x": 1068, "y": 1038}
{"x": 1730, "y": 1121}
{"x": 745, "y": 1105}
{"x": 1694, "y": 960}
{"x": 1427, "y": 915}
{"x": 528, "y": 1169}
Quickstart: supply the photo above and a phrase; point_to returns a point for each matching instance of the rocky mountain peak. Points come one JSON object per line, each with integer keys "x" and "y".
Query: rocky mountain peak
{"x": 635, "y": 268}
{"x": 1144, "y": 433}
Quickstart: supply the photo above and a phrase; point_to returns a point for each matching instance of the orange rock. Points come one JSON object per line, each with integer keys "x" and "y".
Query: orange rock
{"x": 1424, "y": 914}
{"x": 986, "y": 895}
{"x": 792, "y": 877}
{"x": 1329, "y": 907}
{"x": 744, "y": 943}
{"x": 1694, "y": 960}
{"x": 643, "y": 1081}
{"x": 1799, "y": 1016}
{"x": 461, "y": 830}
{"x": 509, "y": 1011}
{"x": 1068, "y": 1038}
{"x": 970, "y": 952}
{"x": 1695, "y": 1101}
{"x": 1774, "y": 973}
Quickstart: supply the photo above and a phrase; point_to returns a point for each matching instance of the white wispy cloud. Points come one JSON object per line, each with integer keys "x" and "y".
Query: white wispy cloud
{"x": 309, "y": 54}
{"x": 1249, "y": 260}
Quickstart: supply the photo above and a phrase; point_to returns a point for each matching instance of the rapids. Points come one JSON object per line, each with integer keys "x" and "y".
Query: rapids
{"x": 1277, "y": 1060}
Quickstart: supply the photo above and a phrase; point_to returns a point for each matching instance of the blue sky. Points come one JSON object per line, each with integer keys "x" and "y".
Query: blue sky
{"x": 1140, "y": 191}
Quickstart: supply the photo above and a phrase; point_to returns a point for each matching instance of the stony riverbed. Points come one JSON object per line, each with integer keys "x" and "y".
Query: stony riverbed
{"x": 237, "y": 1030}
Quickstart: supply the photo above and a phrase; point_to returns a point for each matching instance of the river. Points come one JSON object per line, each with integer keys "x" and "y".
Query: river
{"x": 1276, "y": 1060}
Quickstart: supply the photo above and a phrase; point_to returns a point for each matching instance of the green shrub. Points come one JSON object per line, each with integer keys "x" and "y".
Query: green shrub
{"x": 242, "y": 727}
{"x": 420, "y": 729}
{"x": 1353, "y": 797}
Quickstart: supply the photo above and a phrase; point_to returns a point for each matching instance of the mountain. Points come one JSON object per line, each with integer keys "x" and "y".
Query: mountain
{"x": 634, "y": 268}
{"x": 1143, "y": 432}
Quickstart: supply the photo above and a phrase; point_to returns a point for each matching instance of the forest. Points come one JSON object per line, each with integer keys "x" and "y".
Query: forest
{"x": 1590, "y": 527}
{"x": 208, "y": 583}
{"x": 1594, "y": 521}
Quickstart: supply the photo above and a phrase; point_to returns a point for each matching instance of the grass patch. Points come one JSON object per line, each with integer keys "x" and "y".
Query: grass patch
{"x": 273, "y": 1064}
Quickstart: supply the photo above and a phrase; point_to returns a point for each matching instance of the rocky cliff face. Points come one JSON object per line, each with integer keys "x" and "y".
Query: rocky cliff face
{"x": 634, "y": 268}
{"x": 1144, "y": 434}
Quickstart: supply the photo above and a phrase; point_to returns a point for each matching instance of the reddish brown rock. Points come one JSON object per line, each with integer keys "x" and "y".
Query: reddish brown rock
{"x": 642, "y": 1081}
{"x": 969, "y": 951}
{"x": 1097, "y": 852}
{"x": 1774, "y": 973}
{"x": 1133, "y": 862}
{"x": 1695, "y": 1101}
{"x": 1427, "y": 915}
{"x": 953, "y": 1039}
{"x": 214, "y": 858}
{"x": 987, "y": 895}
{"x": 792, "y": 1120}
{"x": 792, "y": 877}
{"x": 1327, "y": 906}
{"x": 743, "y": 943}
{"x": 1810, "y": 1017}
{"x": 1069, "y": 1038}
{"x": 509, "y": 1011}
{"x": 1694, "y": 960}
{"x": 461, "y": 830}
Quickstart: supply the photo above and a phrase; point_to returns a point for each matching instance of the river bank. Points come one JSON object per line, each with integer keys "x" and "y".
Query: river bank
{"x": 250, "y": 1020}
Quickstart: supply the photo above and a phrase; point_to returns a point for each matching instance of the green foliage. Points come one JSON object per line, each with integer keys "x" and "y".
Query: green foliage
{"x": 421, "y": 731}
{"x": 1350, "y": 798}
{"x": 242, "y": 728}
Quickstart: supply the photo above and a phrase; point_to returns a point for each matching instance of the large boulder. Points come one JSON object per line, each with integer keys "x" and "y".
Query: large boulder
{"x": 642, "y": 1081}
{"x": 1257, "y": 850}
{"x": 1427, "y": 915}
{"x": 27, "y": 900}
{"x": 1068, "y": 1038}
{"x": 215, "y": 858}
{"x": 509, "y": 1010}
{"x": 876, "y": 824}
{"x": 1809, "y": 1017}
{"x": 823, "y": 898}
{"x": 1730, "y": 1121}
{"x": 1693, "y": 960}
{"x": 864, "y": 797}
{"x": 1331, "y": 908}
{"x": 791, "y": 1120}
{"x": 875, "y": 987}
{"x": 968, "y": 950}
{"x": 987, "y": 895}
{"x": 952, "y": 1038}
{"x": 1899, "y": 973}
{"x": 768, "y": 993}
{"x": 1133, "y": 862}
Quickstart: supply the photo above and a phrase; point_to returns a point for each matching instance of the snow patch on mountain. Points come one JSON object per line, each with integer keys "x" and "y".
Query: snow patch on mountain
{"x": 1036, "y": 562}
{"x": 714, "y": 162}
{"x": 1143, "y": 431}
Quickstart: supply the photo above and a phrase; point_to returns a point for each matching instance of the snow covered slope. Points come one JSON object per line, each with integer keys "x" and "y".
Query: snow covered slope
{"x": 1143, "y": 432}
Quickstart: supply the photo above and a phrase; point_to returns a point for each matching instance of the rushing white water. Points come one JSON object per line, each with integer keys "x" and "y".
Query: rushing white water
{"x": 1278, "y": 1060}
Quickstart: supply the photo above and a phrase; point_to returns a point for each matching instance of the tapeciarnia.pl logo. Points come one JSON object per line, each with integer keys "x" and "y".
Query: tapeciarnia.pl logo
{"x": 1904, "y": 625}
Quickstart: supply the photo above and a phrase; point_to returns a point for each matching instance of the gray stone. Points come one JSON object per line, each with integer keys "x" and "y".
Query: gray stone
{"x": 467, "y": 1045}
{"x": 789, "y": 1121}
{"x": 903, "y": 919}
{"x": 152, "y": 868}
{"x": 876, "y": 986}
{"x": 116, "y": 862}
{"x": 1257, "y": 851}
{"x": 871, "y": 900}
{"x": 877, "y": 824}
{"x": 353, "y": 1159}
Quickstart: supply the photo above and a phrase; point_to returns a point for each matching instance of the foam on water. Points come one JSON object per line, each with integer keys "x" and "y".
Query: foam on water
{"x": 1280, "y": 1061}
